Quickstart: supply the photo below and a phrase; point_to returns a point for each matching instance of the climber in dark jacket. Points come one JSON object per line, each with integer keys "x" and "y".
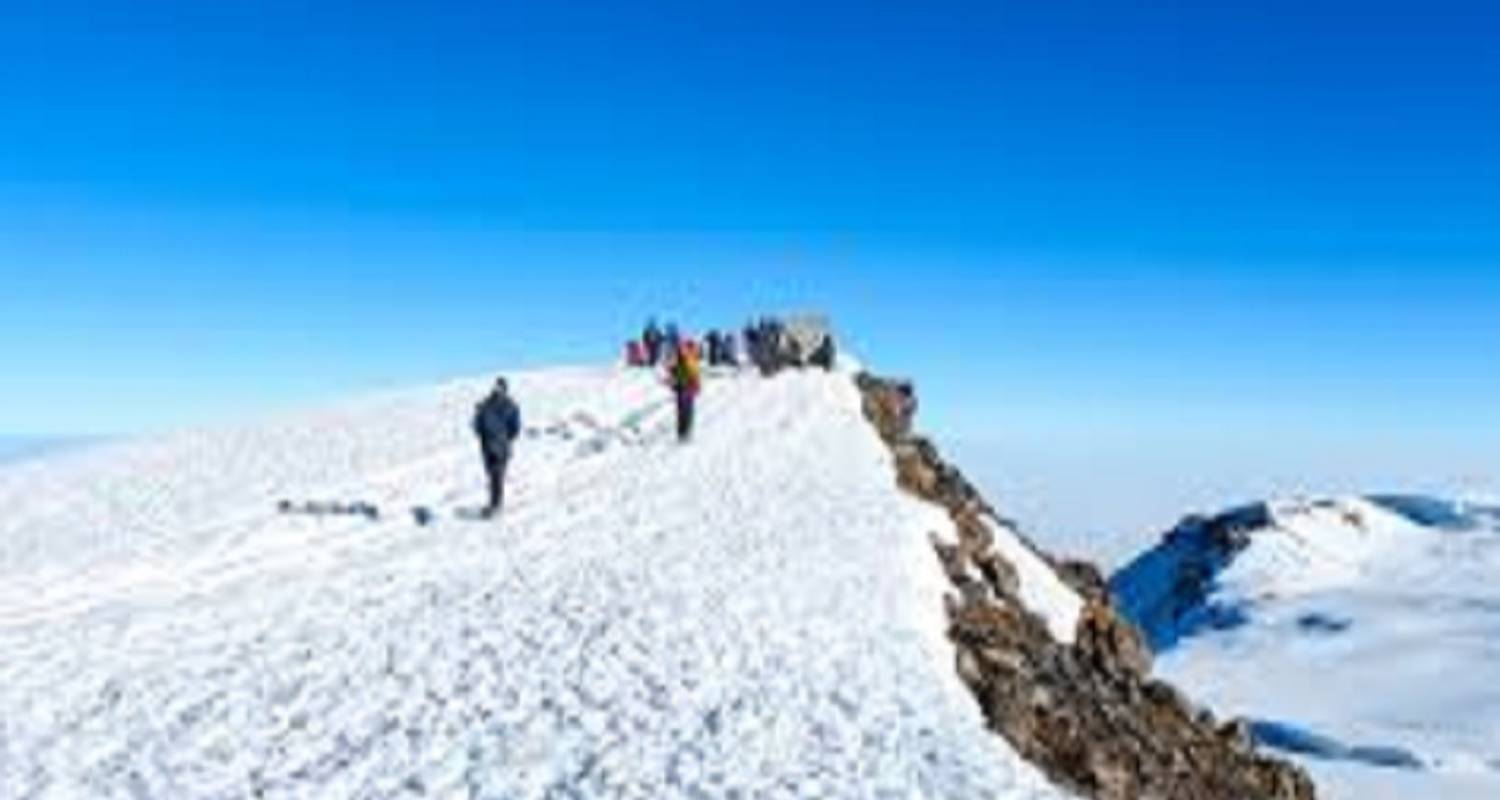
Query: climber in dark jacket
{"x": 714, "y": 342}
{"x": 497, "y": 423}
{"x": 728, "y": 349}
{"x": 751, "y": 337}
{"x": 651, "y": 339}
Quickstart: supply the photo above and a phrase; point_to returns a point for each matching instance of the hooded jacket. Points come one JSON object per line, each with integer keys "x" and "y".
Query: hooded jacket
{"x": 497, "y": 422}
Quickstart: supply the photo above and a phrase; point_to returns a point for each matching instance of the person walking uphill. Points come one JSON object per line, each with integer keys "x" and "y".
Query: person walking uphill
{"x": 685, "y": 376}
{"x": 497, "y": 423}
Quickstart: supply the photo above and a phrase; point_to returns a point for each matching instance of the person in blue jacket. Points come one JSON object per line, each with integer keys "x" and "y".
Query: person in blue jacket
{"x": 497, "y": 423}
{"x": 651, "y": 339}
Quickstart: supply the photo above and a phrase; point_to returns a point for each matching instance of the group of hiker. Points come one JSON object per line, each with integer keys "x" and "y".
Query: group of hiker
{"x": 770, "y": 344}
{"x": 657, "y": 345}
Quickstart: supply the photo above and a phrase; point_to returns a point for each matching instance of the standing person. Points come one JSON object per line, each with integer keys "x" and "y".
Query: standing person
{"x": 715, "y": 353}
{"x": 651, "y": 339}
{"x": 728, "y": 350}
{"x": 635, "y": 353}
{"x": 497, "y": 423}
{"x": 685, "y": 376}
{"x": 768, "y": 346}
{"x": 671, "y": 340}
{"x": 826, "y": 353}
{"x": 751, "y": 337}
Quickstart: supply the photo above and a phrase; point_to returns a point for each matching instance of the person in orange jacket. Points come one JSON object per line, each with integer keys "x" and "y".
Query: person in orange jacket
{"x": 685, "y": 376}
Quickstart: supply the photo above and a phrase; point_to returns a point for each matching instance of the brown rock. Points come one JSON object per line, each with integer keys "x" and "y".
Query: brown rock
{"x": 1083, "y": 577}
{"x": 999, "y": 574}
{"x": 1111, "y": 643}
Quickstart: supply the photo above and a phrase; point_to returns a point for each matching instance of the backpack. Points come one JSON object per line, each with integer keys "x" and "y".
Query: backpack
{"x": 686, "y": 372}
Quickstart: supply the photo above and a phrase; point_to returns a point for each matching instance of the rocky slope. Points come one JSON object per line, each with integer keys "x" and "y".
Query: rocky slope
{"x": 1083, "y": 707}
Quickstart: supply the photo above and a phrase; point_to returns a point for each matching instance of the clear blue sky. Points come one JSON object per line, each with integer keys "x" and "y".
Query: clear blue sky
{"x": 1134, "y": 222}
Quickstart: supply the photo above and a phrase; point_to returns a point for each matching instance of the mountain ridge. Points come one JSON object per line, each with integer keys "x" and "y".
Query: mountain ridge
{"x": 1354, "y": 632}
{"x": 1083, "y": 706}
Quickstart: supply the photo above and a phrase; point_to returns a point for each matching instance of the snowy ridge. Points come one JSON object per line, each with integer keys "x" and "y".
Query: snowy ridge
{"x": 1087, "y": 711}
{"x": 1358, "y": 634}
{"x": 759, "y": 613}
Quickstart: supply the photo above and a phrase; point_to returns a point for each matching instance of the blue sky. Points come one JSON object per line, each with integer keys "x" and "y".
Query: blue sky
{"x": 1152, "y": 225}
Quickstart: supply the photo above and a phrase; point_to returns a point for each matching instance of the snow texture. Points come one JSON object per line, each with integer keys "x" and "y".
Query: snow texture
{"x": 1359, "y": 635}
{"x": 756, "y": 614}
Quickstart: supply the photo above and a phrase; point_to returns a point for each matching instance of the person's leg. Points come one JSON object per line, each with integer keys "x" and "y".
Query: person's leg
{"x": 493, "y": 478}
{"x": 684, "y": 415}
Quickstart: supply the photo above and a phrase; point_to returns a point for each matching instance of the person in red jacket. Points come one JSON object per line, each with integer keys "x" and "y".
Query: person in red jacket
{"x": 635, "y": 353}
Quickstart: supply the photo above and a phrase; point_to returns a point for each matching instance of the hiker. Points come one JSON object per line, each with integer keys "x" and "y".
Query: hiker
{"x": 728, "y": 350}
{"x": 715, "y": 343}
{"x": 635, "y": 354}
{"x": 770, "y": 346}
{"x": 751, "y": 337}
{"x": 825, "y": 355}
{"x": 671, "y": 340}
{"x": 685, "y": 376}
{"x": 497, "y": 423}
{"x": 651, "y": 339}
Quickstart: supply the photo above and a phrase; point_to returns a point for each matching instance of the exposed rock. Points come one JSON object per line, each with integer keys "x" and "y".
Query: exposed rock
{"x": 1083, "y": 577}
{"x": 1088, "y": 713}
{"x": 1237, "y": 735}
{"x": 1110, "y": 643}
{"x": 891, "y": 406}
{"x": 998, "y": 573}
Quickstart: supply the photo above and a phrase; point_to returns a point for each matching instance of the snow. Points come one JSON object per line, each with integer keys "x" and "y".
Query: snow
{"x": 1042, "y": 591}
{"x": 755, "y": 614}
{"x": 1359, "y": 636}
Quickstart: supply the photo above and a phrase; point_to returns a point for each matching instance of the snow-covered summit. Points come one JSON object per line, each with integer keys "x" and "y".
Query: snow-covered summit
{"x": 756, "y": 614}
{"x": 1358, "y": 633}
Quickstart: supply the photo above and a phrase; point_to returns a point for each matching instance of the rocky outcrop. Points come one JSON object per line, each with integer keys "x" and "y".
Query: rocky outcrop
{"x": 1088, "y": 713}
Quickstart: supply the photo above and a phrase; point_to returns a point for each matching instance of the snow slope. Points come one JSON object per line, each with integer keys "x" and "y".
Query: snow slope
{"x": 756, "y": 614}
{"x": 1359, "y": 635}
